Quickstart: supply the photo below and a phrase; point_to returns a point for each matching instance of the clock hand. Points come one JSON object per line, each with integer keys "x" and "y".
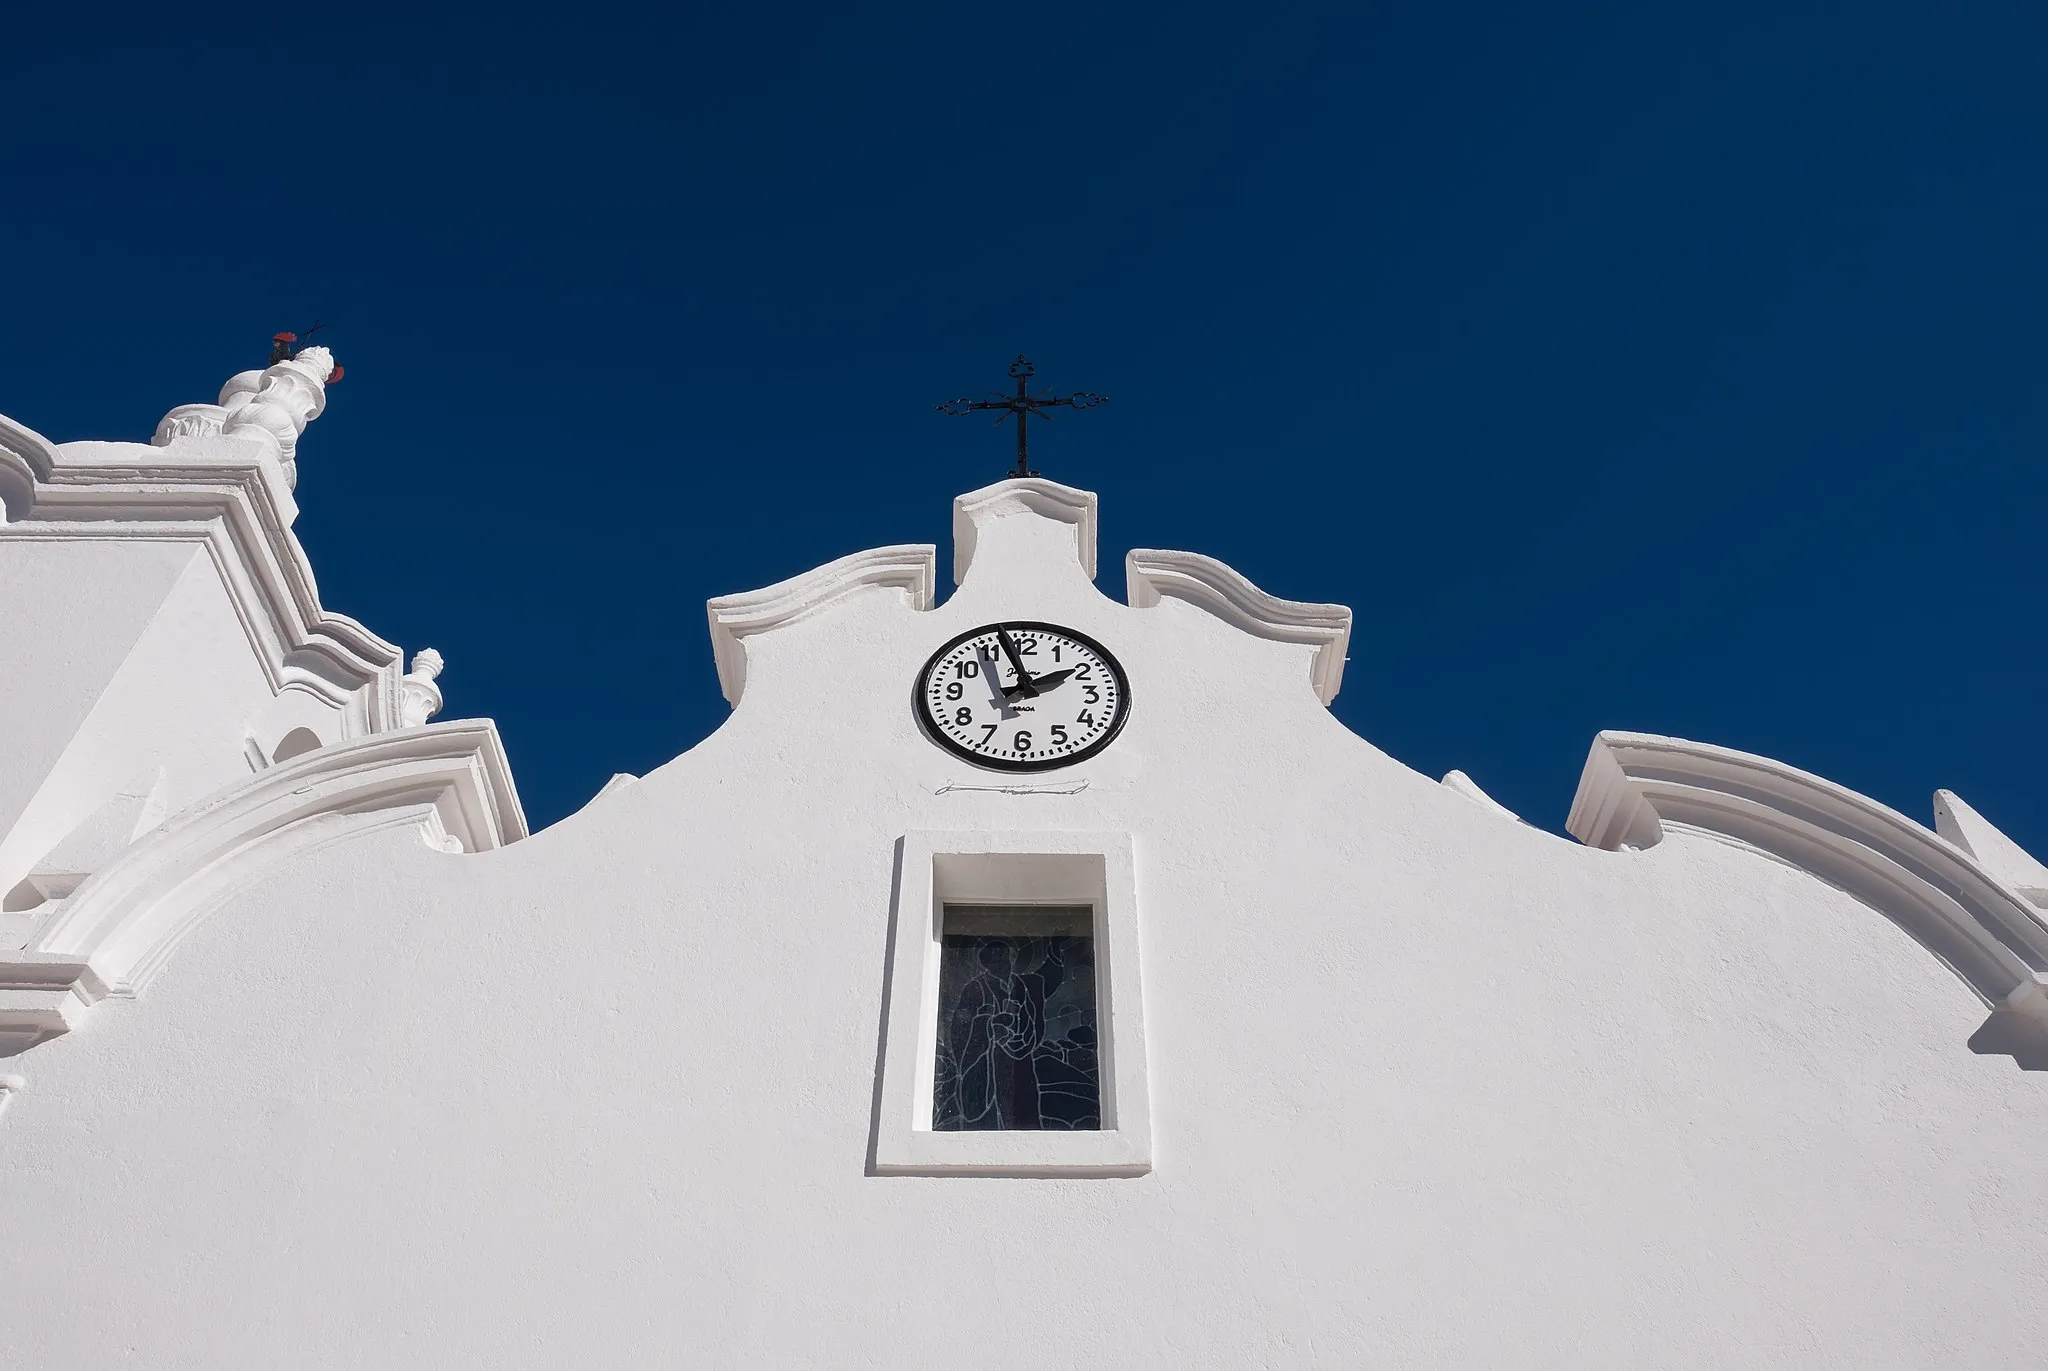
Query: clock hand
{"x": 1016, "y": 660}
{"x": 1040, "y": 684}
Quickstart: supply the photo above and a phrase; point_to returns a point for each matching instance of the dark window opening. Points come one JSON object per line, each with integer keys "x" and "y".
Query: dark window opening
{"x": 1017, "y": 1044}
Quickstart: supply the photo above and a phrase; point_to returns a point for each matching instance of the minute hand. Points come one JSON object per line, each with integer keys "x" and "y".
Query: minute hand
{"x": 1040, "y": 685}
{"x": 1024, "y": 684}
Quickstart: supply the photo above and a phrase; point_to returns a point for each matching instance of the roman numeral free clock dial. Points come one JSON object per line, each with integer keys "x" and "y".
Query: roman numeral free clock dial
{"x": 1023, "y": 696}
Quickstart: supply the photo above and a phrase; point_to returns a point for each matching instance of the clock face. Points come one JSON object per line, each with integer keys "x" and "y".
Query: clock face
{"x": 1022, "y": 696}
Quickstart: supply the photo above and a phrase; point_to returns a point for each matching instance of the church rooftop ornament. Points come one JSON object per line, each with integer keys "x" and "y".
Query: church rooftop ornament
{"x": 286, "y": 346}
{"x": 1024, "y": 404}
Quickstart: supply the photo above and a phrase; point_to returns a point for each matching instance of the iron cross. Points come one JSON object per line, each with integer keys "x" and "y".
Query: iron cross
{"x": 1024, "y": 404}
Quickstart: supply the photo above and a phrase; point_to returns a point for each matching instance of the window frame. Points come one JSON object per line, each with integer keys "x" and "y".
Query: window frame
{"x": 941, "y": 867}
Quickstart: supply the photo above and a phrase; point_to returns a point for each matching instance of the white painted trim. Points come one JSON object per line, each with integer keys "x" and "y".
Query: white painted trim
{"x": 978, "y": 867}
{"x": 117, "y": 930}
{"x": 1152, "y": 573}
{"x": 908, "y": 567}
{"x": 1636, "y": 785}
{"x": 25, "y": 458}
{"x": 229, "y": 495}
{"x": 1023, "y": 495}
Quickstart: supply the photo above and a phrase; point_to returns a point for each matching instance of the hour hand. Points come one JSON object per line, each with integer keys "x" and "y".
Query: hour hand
{"x": 1037, "y": 685}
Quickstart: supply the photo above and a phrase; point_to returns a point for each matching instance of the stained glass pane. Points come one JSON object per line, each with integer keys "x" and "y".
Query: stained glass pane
{"x": 1017, "y": 1036}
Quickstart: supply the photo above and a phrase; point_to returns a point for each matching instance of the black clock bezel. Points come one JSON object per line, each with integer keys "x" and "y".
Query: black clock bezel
{"x": 931, "y": 729}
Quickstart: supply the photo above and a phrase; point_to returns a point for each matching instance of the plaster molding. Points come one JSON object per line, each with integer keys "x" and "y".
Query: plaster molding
{"x": 906, "y": 567}
{"x": 1151, "y": 574}
{"x": 26, "y": 458}
{"x": 419, "y": 690}
{"x": 1023, "y": 495}
{"x": 117, "y": 930}
{"x": 275, "y": 409}
{"x": 1635, "y": 786}
{"x": 188, "y": 421}
{"x": 230, "y": 495}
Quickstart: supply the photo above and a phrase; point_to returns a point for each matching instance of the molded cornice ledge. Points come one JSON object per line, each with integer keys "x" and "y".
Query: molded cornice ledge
{"x": 26, "y": 458}
{"x": 1150, "y": 574}
{"x": 232, "y": 495}
{"x": 1637, "y": 785}
{"x": 908, "y": 567}
{"x": 114, "y": 933}
{"x": 1023, "y": 495}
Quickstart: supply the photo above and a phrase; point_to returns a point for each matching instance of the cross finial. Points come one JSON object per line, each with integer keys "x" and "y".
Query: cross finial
{"x": 1024, "y": 404}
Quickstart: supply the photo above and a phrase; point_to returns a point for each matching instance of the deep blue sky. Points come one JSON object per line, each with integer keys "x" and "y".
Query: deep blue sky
{"x": 1673, "y": 368}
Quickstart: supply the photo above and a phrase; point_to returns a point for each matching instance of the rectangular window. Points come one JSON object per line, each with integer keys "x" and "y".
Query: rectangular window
{"x": 1016, "y": 1035}
{"x": 1013, "y": 1040}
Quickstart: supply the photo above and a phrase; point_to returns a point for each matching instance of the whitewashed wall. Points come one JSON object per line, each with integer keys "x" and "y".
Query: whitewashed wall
{"x": 147, "y": 678}
{"x": 1429, "y": 1087}
{"x": 161, "y": 637}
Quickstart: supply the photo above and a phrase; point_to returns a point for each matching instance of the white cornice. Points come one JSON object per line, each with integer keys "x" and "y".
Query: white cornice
{"x": 1023, "y": 495}
{"x": 1150, "y": 574}
{"x": 1635, "y": 785}
{"x": 231, "y": 495}
{"x": 26, "y": 457}
{"x": 907, "y": 567}
{"x": 450, "y": 780}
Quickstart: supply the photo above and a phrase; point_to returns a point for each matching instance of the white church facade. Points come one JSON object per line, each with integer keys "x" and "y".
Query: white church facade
{"x": 1073, "y": 991}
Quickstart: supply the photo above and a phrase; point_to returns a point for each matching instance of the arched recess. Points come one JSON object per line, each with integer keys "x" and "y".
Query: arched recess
{"x": 117, "y": 930}
{"x": 296, "y": 743}
{"x": 1635, "y": 785}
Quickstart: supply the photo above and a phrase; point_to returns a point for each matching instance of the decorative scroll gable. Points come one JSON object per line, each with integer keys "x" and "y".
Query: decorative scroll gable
{"x": 1152, "y": 574}
{"x": 908, "y": 567}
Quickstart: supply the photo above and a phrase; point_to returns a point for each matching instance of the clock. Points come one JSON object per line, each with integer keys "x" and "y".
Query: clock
{"x": 1022, "y": 696}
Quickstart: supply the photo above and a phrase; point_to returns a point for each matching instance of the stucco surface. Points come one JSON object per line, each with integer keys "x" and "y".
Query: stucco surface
{"x": 1429, "y": 1087}
{"x": 181, "y": 701}
{"x": 70, "y": 612}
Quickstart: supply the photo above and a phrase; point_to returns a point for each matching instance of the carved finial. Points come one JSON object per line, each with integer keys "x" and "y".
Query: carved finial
{"x": 276, "y": 410}
{"x": 272, "y": 406}
{"x": 188, "y": 421}
{"x": 419, "y": 699}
